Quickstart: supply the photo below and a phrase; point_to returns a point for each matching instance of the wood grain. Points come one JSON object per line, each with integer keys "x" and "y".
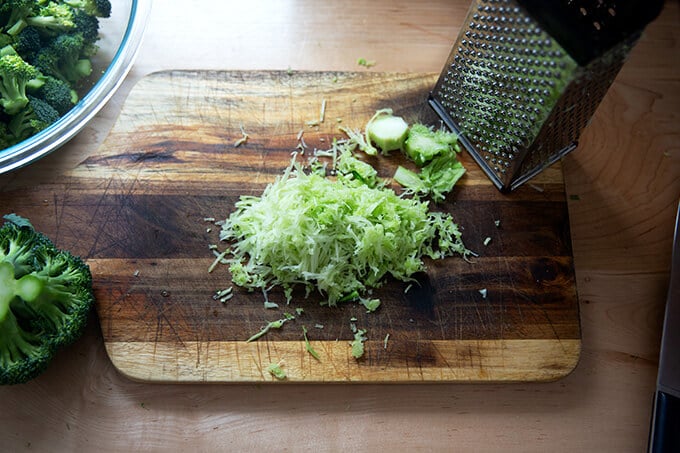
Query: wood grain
{"x": 170, "y": 161}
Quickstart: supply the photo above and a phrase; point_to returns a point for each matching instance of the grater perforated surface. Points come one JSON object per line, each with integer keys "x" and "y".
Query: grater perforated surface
{"x": 518, "y": 98}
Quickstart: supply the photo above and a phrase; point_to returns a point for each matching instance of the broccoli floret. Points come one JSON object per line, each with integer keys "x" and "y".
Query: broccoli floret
{"x": 58, "y": 94}
{"x": 45, "y": 298}
{"x": 37, "y": 116}
{"x": 63, "y": 59}
{"x": 28, "y": 42}
{"x": 86, "y": 25}
{"x": 14, "y": 13}
{"x": 15, "y": 73}
{"x": 52, "y": 19}
{"x": 6, "y": 139}
{"x": 98, "y": 8}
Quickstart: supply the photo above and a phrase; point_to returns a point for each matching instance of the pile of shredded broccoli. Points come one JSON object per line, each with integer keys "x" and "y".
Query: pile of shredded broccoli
{"x": 332, "y": 235}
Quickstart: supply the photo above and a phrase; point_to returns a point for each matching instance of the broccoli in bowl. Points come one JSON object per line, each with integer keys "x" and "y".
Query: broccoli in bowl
{"x": 46, "y": 48}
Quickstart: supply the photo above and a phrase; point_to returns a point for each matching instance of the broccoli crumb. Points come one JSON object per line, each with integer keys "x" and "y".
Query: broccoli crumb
{"x": 370, "y": 304}
{"x": 358, "y": 343}
{"x": 276, "y": 370}
{"x": 365, "y": 63}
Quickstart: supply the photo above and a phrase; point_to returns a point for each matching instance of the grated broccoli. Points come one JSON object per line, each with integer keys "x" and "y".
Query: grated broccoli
{"x": 354, "y": 171}
{"x": 45, "y": 297}
{"x": 338, "y": 238}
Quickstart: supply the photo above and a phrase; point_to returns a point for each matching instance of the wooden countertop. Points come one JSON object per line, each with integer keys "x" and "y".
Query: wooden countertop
{"x": 623, "y": 184}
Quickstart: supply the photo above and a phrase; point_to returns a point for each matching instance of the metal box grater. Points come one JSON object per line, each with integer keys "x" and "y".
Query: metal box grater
{"x": 525, "y": 77}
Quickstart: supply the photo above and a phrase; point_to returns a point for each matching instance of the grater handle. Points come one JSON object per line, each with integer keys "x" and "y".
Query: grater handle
{"x": 587, "y": 29}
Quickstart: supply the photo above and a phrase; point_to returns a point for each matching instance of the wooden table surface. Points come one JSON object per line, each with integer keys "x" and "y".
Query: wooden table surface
{"x": 623, "y": 184}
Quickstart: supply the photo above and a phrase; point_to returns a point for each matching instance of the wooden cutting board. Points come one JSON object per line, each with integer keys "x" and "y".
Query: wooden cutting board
{"x": 138, "y": 205}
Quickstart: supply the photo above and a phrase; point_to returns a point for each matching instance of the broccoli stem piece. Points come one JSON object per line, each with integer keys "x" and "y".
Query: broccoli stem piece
{"x": 424, "y": 143}
{"x": 387, "y": 131}
{"x": 19, "y": 343}
{"x": 22, "y": 355}
{"x": 411, "y": 180}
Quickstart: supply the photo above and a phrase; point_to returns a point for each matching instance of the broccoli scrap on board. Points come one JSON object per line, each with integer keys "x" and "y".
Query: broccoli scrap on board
{"x": 45, "y": 297}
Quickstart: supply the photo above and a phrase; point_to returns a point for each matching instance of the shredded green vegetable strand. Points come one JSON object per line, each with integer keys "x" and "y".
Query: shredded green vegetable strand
{"x": 337, "y": 238}
{"x": 271, "y": 325}
{"x": 308, "y": 345}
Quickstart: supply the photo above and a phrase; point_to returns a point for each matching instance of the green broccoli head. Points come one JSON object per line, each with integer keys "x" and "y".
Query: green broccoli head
{"x": 6, "y": 139}
{"x": 35, "y": 117}
{"x": 28, "y": 42}
{"x": 58, "y": 94}
{"x": 45, "y": 298}
{"x": 15, "y": 13}
{"x": 15, "y": 73}
{"x": 52, "y": 19}
{"x": 97, "y": 8}
{"x": 87, "y": 25}
{"x": 63, "y": 58}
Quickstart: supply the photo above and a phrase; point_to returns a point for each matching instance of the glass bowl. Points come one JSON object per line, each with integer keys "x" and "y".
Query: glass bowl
{"x": 120, "y": 38}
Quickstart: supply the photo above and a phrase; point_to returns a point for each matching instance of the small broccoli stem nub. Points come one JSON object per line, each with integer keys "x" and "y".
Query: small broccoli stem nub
{"x": 81, "y": 69}
{"x": 18, "y": 347}
{"x": 46, "y": 297}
